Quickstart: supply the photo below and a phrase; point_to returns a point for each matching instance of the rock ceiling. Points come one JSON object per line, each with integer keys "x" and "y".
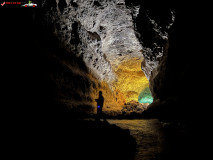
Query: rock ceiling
{"x": 103, "y": 33}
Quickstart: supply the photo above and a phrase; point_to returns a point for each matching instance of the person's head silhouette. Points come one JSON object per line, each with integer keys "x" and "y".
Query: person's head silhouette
{"x": 100, "y": 93}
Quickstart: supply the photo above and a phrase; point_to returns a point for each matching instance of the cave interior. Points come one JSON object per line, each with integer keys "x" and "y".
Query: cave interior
{"x": 47, "y": 88}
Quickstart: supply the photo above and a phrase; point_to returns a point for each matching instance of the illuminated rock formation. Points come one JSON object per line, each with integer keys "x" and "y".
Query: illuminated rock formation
{"x": 102, "y": 32}
{"x": 131, "y": 79}
{"x": 145, "y": 96}
{"x": 107, "y": 35}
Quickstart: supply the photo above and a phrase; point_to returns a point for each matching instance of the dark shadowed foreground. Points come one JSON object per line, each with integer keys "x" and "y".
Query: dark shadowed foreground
{"x": 33, "y": 126}
{"x": 74, "y": 139}
{"x": 85, "y": 140}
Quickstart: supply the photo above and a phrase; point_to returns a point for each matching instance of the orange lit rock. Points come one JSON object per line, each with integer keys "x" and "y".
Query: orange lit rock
{"x": 126, "y": 89}
{"x": 113, "y": 99}
{"x": 130, "y": 79}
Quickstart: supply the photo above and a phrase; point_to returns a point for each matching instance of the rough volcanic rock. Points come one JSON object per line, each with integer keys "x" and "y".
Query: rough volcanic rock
{"x": 107, "y": 33}
{"x": 152, "y": 25}
{"x": 179, "y": 77}
{"x": 110, "y": 34}
{"x": 102, "y": 32}
{"x": 175, "y": 82}
{"x": 134, "y": 106}
{"x": 71, "y": 84}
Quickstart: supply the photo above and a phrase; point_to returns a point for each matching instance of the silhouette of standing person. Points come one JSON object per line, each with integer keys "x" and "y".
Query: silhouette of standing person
{"x": 100, "y": 102}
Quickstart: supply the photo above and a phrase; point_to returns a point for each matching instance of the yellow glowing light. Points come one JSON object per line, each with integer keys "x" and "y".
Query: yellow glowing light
{"x": 113, "y": 99}
{"x": 130, "y": 82}
{"x": 131, "y": 79}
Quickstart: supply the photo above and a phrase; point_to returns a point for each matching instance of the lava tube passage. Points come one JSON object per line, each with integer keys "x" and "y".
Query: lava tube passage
{"x": 130, "y": 91}
{"x": 132, "y": 82}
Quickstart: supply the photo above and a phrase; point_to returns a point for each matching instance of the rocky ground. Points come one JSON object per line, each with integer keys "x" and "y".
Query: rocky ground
{"x": 134, "y": 106}
{"x": 130, "y": 110}
{"x": 88, "y": 140}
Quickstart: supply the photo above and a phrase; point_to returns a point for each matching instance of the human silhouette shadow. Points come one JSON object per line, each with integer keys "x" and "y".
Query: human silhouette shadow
{"x": 100, "y": 103}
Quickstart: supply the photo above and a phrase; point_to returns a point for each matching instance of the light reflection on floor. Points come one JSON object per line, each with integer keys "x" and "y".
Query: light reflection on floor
{"x": 147, "y": 134}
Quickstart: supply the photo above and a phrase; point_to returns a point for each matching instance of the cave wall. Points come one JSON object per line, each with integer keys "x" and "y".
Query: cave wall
{"x": 71, "y": 84}
{"x": 43, "y": 78}
{"x": 151, "y": 38}
{"x": 102, "y": 35}
{"x": 27, "y": 90}
{"x": 175, "y": 81}
{"x": 108, "y": 34}
{"x": 102, "y": 32}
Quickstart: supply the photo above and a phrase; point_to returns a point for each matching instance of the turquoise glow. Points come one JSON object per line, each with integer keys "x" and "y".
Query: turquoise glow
{"x": 145, "y": 96}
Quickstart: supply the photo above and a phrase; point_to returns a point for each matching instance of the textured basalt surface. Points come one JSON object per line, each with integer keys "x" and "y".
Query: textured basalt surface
{"x": 103, "y": 33}
{"x": 120, "y": 42}
{"x": 87, "y": 67}
{"x": 37, "y": 76}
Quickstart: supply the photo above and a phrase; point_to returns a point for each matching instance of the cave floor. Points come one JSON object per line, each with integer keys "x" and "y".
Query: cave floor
{"x": 156, "y": 140}
{"x": 146, "y": 134}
